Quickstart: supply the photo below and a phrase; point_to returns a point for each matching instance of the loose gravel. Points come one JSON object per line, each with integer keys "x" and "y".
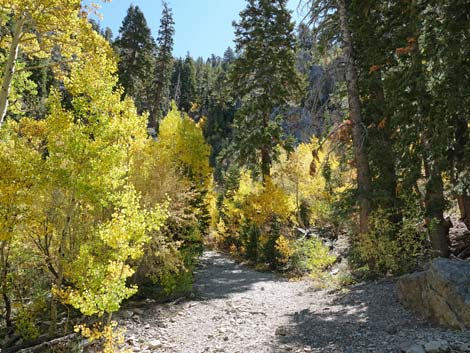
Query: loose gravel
{"x": 236, "y": 309}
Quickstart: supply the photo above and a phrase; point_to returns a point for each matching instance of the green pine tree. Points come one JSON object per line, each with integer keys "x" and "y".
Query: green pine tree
{"x": 183, "y": 83}
{"x": 136, "y": 50}
{"x": 265, "y": 77}
{"x": 163, "y": 66}
{"x": 185, "y": 74}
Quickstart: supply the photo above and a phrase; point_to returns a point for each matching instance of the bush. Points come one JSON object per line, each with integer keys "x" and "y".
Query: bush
{"x": 250, "y": 235}
{"x": 257, "y": 219}
{"x": 390, "y": 248}
{"x": 175, "y": 169}
{"x": 312, "y": 256}
{"x": 284, "y": 251}
{"x": 25, "y": 325}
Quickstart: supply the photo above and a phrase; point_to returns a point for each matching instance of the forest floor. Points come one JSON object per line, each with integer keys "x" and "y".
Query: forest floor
{"x": 237, "y": 309}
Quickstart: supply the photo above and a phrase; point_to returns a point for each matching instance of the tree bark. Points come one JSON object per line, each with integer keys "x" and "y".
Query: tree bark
{"x": 462, "y": 136}
{"x": 5, "y": 266}
{"x": 265, "y": 163}
{"x": 359, "y": 130}
{"x": 10, "y": 66}
{"x": 387, "y": 174}
{"x": 155, "y": 112}
{"x": 265, "y": 153}
{"x": 464, "y": 207}
{"x": 434, "y": 210}
{"x": 61, "y": 259}
{"x": 44, "y": 344}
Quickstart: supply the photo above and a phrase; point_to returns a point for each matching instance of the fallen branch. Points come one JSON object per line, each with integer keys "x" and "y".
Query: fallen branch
{"x": 41, "y": 345}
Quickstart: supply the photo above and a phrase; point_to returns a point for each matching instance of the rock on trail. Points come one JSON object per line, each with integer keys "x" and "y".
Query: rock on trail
{"x": 237, "y": 309}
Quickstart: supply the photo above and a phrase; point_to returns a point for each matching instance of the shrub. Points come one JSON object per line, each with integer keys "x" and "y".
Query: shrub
{"x": 284, "y": 251}
{"x": 250, "y": 235}
{"x": 390, "y": 248}
{"x": 310, "y": 255}
{"x": 25, "y": 325}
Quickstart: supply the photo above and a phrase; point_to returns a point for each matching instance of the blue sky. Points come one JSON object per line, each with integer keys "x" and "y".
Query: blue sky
{"x": 203, "y": 27}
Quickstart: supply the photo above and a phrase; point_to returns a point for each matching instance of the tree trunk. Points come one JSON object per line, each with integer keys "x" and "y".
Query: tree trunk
{"x": 6, "y": 298}
{"x": 10, "y": 67}
{"x": 265, "y": 153}
{"x": 61, "y": 259}
{"x": 359, "y": 130}
{"x": 464, "y": 207}
{"x": 388, "y": 176}
{"x": 156, "y": 117}
{"x": 265, "y": 163}
{"x": 155, "y": 112}
{"x": 462, "y": 136}
{"x": 434, "y": 207}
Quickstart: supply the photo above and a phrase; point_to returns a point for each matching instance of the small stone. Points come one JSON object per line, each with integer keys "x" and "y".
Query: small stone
{"x": 226, "y": 338}
{"x": 437, "y": 346}
{"x": 154, "y": 344}
{"x": 461, "y": 347}
{"x": 281, "y": 331}
{"x": 412, "y": 348}
{"x": 131, "y": 340}
{"x": 391, "y": 330}
{"x": 138, "y": 311}
{"x": 127, "y": 314}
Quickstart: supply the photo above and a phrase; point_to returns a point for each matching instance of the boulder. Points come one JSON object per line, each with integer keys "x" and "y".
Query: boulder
{"x": 440, "y": 293}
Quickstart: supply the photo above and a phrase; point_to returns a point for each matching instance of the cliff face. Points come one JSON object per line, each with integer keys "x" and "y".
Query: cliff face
{"x": 317, "y": 111}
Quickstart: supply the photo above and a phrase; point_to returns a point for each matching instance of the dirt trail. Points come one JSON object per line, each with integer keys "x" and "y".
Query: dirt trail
{"x": 237, "y": 309}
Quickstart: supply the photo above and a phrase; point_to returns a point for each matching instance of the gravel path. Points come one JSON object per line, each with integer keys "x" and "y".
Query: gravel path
{"x": 237, "y": 309}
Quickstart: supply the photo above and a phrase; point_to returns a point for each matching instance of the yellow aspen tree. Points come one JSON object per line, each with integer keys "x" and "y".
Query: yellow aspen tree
{"x": 34, "y": 29}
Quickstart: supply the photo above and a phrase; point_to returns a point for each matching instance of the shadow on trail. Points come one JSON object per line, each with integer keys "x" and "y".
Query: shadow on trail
{"x": 354, "y": 322}
{"x": 218, "y": 277}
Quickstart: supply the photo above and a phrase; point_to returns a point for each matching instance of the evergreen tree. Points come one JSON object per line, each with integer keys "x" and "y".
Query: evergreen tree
{"x": 332, "y": 19}
{"x": 265, "y": 77}
{"x": 136, "y": 49}
{"x": 175, "y": 86}
{"x": 229, "y": 57}
{"x": 364, "y": 180}
{"x": 305, "y": 51}
{"x": 183, "y": 83}
{"x": 373, "y": 45}
{"x": 202, "y": 85}
{"x": 407, "y": 56}
{"x": 188, "y": 84}
{"x": 163, "y": 66}
{"x": 108, "y": 34}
